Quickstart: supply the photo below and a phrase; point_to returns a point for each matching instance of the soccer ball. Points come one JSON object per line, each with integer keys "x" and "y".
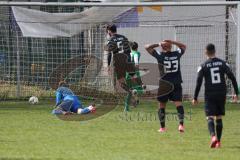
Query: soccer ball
{"x": 33, "y": 100}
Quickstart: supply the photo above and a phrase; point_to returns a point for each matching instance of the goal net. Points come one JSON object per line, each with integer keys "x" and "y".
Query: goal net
{"x": 45, "y": 43}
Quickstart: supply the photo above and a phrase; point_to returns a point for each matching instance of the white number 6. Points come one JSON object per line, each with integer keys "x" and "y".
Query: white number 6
{"x": 215, "y": 76}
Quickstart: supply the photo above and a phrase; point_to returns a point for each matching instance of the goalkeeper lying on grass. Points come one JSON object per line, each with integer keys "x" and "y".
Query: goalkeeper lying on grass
{"x": 68, "y": 103}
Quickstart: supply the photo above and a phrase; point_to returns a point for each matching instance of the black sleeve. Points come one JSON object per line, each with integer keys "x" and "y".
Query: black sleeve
{"x": 109, "y": 47}
{"x": 233, "y": 79}
{"x": 181, "y": 51}
{"x": 156, "y": 55}
{"x": 199, "y": 82}
{"x": 109, "y": 58}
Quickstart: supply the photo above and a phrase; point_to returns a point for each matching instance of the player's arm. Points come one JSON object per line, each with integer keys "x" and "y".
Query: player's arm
{"x": 108, "y": 48}
{"x": 198, "y": 85}
{"x": 125, "y": 46}
{"x": 150, "y": 48}
{"x": 58, "y": 98}
{"x": 178, "y": 44}
{"x": 136, "y": 60}
{"x": 233, "y": 79}
{"x": 109, "y": 58}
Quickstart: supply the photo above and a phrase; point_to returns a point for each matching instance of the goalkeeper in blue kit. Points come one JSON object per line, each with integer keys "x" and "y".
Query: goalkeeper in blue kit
{"x": 68, "y": 103}
{"x": 133, "y": 79}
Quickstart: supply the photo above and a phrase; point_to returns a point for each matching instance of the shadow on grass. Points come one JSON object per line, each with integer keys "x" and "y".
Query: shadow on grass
{"x": 23, "y": 107}
{"x": 235, "y": 147}
{"x": 6, "y": 141}
{"x": 21, "y": 158}
{"x": 102, "y": 110}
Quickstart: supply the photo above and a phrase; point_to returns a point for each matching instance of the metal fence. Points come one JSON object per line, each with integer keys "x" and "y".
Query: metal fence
{"x": 33, "y": 66}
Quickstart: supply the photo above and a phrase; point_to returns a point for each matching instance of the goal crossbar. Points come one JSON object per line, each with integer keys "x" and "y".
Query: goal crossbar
{"x": 119, "y": 4}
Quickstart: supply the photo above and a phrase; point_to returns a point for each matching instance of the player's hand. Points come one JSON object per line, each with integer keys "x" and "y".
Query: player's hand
{"x": 165, "y": 44}
{"x": 160, "y": 43}
{"x": 167, "y": 41}
{"x": 194, "y": 102}
{"x": 235, "y": 98}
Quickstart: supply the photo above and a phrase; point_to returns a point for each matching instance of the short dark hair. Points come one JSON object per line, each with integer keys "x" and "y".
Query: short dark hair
{"x": 133, "y": 45}
{"x": 210, "y": 49}
{"x": 112, "y": 28}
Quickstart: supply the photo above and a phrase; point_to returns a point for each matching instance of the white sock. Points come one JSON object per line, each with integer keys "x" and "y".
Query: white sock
{"x": 79, "y": 111}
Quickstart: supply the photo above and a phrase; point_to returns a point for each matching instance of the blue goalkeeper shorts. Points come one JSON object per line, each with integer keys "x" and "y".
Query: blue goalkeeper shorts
{"x": 71, "y": 104}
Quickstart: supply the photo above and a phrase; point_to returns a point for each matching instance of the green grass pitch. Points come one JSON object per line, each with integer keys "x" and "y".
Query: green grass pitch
{"x": 30, "y": 132}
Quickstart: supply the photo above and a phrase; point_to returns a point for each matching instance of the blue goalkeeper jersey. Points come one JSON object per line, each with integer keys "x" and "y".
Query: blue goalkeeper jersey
{"x": 66, "y": 94}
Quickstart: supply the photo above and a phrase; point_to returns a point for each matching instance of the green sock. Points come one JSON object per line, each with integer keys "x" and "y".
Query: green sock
{"x": 128, "y": 80}
{"x": 127, "y": 101}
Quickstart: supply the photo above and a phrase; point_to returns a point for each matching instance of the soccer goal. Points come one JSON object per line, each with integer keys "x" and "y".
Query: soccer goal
{"x": 43, "y": 43}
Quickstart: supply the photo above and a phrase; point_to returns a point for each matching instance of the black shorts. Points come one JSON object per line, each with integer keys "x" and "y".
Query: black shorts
{"x": 175, "y": 95}
{"x": 121, "y": 65}
{"x": 215, "y": 105}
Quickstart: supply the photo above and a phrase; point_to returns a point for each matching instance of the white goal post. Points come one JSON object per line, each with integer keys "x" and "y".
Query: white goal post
{"x": 65, "y": 40}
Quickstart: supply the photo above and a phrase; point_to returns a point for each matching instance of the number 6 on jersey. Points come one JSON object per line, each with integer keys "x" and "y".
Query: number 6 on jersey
{"x": 215, "y": 75}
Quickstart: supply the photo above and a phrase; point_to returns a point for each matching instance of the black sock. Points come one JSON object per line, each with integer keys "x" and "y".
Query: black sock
{"x": 180, "y": 111}
{"x": 161, "y": 116}
{"x": 211, "y": 126}
{"x": 219, "y": 127}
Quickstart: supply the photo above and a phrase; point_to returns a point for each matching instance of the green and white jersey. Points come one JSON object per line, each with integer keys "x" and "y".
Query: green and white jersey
{"x": 135, "y": 57}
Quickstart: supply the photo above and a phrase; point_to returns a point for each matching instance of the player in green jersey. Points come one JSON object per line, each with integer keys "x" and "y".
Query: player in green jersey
{"x": 133, "y": 79}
